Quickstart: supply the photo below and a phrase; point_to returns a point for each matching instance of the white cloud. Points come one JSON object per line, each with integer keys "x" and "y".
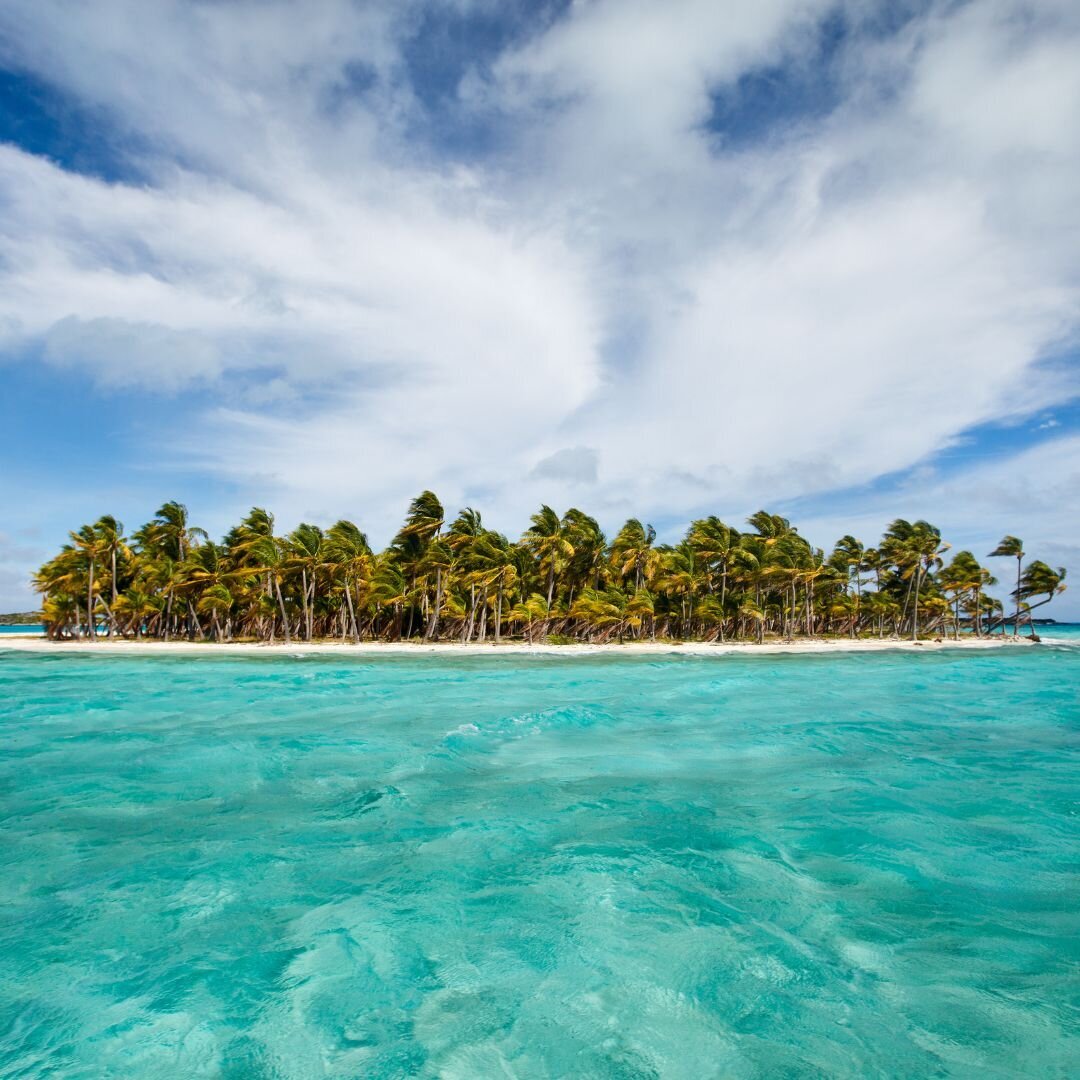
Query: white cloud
{"x": 618, "y": 303}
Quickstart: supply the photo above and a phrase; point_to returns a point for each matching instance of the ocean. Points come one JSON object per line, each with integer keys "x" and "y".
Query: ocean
{"x": 850, "y": 865}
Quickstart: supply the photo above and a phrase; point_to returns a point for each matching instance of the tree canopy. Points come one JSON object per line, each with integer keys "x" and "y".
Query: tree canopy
{"x": 562, "y": 579}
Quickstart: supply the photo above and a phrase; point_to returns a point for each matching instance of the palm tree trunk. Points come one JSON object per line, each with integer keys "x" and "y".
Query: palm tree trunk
{"x": 307, "y": 607}
{"x": 90, "y": 629}
{"x": 195, "y": 620}
{"x": 907, "y": 600}
{"x": 915, "y": 615}
{"x": 281, "y": 608}
{"x": 112, "y": 617}
{"x": 352, "y": 613}
{"x": 433, "y": 623}
{"x": 468, "y": 623}
{"x": 723, "y": 597}
{"x": 1016, "y": 623}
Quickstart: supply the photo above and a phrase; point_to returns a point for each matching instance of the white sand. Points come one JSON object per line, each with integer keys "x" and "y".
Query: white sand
{"x": 372, "y": 648}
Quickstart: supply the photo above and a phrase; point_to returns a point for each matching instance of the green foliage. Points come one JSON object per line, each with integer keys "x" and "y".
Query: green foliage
{"x": 562, "y": 582}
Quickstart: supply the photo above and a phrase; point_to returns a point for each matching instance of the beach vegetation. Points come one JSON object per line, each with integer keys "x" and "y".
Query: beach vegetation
{"x": 446, "y": 578}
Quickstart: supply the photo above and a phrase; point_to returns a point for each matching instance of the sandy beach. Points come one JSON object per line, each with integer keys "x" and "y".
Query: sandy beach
{"x": 374, "y": 648}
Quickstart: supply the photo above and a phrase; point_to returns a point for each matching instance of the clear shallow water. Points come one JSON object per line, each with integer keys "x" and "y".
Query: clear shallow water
{"x": 860, "y": 865}
{"x": 22, "y": 628}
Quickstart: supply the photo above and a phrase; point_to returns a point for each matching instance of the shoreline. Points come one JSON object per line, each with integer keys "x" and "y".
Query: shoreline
{"x": 821, "y": 646}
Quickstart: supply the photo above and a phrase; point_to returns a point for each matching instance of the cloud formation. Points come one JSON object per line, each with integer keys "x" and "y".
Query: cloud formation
{"x": 607, "y": 293}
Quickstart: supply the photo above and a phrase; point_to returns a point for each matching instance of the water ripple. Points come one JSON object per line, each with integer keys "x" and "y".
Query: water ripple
{"x": 799, "y": 866}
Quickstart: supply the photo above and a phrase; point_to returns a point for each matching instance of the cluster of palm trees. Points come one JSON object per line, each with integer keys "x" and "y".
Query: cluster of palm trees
{"x": 562, "y": 580}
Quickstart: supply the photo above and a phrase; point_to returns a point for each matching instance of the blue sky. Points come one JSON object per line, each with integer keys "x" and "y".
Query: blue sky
{"x": 647, "y": 259}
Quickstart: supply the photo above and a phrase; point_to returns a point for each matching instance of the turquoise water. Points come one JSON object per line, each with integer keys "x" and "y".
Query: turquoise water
{"x": 1063, "y": 633}
{"x": 12, "y": 628}
{"x": 861, "y": 865}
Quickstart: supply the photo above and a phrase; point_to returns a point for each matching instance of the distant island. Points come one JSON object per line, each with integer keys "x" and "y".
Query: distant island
{"x": 562, "y": 581}
{"x": 21, "y": 618}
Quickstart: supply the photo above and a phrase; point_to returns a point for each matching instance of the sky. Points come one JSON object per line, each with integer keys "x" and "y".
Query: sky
{"x": 649, "y": 259}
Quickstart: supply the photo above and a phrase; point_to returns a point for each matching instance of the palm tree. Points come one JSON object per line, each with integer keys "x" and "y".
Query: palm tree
{"x": 546, "y": 537}
{"x": 497, "y": 572}
{"x": 1012, "y": 547}
{"x": 388, "y": 590}
{"x": 139, "y": 608}
{"x": 632, "y": 552}
{"x": 349, "y": 556}
{"x": 305, "y": 552}
{"x": 964, "y": 577}
{"x": 170, "y": 533}
{"x": 1039, "y": 580}
{"x": 59, "y": 611}
{"x": 169, "y": 578}
{"x": 848, "y": 557}
{"x": 715, "y": 544}
{"x": 88, "y": 542}
{"x": 588, "y": 563}
{"x": 260, "y": 552}
{"x": 423, "y": 523}
{"x": 216, "y": 601}
{"x": 681, "y": 577}
{"x": 925, "y": 548}
{"x": 530, "y": 612}
{"x": 62, "y": 580}
{"x": 112, "y": 546}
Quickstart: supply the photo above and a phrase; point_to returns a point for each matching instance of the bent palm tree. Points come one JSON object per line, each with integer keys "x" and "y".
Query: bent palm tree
{"x": 1012, "y": 547}
{"x": 1038, "y": 580}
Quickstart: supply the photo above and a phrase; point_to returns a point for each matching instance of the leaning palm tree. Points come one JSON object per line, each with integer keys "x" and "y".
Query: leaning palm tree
{"x": 1012, "y": 547}
{"x": 1039, "y": 580}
